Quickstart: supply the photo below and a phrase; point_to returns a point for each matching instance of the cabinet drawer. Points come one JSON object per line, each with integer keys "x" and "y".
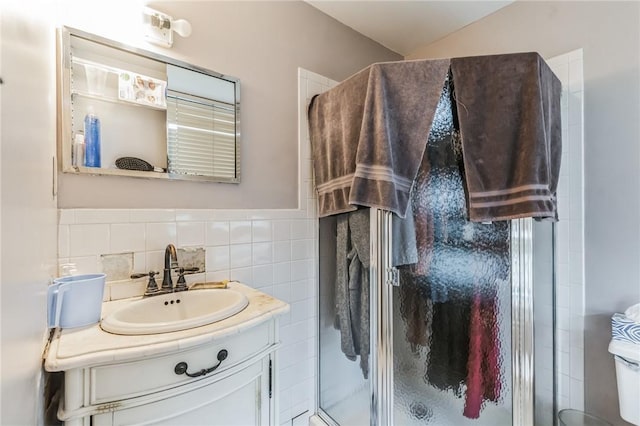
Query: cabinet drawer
{"x": 238, "y": 400}
{"x": 131, "y": 379}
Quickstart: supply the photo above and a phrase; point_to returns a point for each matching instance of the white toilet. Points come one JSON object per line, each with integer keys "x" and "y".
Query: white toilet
{"x": 626, "y": 351}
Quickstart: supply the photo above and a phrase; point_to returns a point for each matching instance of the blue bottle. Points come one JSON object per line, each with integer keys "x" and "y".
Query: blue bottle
{"x": 91, "y": 139}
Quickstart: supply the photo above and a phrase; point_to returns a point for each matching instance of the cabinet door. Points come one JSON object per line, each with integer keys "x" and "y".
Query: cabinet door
{"x": 241, "y": 399}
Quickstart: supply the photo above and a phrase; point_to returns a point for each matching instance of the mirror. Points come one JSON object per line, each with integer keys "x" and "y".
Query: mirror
{"x": 158, "y": 117}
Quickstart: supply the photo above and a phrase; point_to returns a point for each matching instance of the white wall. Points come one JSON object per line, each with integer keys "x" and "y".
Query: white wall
{"x": 609, "y": 34}
{"x": 28, "y": 226}
{"x": 262, "y": 43}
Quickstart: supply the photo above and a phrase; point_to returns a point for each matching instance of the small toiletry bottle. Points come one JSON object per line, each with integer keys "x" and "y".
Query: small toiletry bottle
{"x": 91, "y": 139}
{"x": 78, "y": 151}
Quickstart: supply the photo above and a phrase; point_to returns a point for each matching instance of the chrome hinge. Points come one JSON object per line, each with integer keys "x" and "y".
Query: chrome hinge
{"x": 392, "y": 276}
{"x": 270, "y": 378}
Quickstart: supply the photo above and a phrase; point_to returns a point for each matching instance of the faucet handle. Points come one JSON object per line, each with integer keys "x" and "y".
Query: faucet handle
{"x": 181, "y": 284}
{"x": 190, "y": 270}
{"x": 149, "y": 274}
{"x": 152, "y": 286}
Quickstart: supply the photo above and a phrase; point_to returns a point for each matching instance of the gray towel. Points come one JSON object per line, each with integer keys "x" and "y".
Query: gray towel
{"x": 368, "y": 135}
{"x": 509, "y": 115}
{"x": 352, "y": 285}
{"x": 404, "y": 249}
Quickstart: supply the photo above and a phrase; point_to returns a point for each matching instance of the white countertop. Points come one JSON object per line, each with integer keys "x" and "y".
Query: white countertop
{"x": 89, "y": 346}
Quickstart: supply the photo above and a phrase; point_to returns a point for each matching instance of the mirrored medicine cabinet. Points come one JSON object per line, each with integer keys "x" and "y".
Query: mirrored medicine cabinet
{"x": 182, "y": 121}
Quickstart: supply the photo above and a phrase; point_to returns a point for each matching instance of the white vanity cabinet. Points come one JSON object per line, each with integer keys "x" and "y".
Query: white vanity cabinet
{"x": 125, "y": 380}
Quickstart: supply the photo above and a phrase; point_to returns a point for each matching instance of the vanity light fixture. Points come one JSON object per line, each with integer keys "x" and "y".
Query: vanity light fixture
{"x": 159, "y": 27}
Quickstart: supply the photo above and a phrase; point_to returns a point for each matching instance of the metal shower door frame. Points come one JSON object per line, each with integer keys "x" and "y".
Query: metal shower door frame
{"x": 522, "y": 328}
{"x": 382, "y": 281}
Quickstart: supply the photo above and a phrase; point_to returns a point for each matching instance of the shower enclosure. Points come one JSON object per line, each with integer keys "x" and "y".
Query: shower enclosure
{"x": 448, "y": 338}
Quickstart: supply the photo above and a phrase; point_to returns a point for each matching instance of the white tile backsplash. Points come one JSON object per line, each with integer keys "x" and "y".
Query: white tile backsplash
{"x": 193, "y": 215}
{"x": 299, "y": 311}
{"x": 244, "y": 275}
{"x": 219, "y": 276}
{"x": 140, "y": 262}
{"x": 281, "y": 230}
{"x": 155, "y": 261}
{"x": 240, "y": 232}
{"x": 301, "y": 249}
{"x": 158, "y": 235}
{"x": 86, "y": 240}
{"x": 103, "y": 216}
{"x": 262, "y": 276}
{"x": 190, "y": 234}
{"x": 282, "y": 251}
{"x": 262, "y": 253}
{"x": 217, "y": 234}
{"x": 282, "y": 291}
{"x": 217, "y": 258}
{"x": 63, "y": 241}
{"x": 261, "y": 231}
{"x": 301, "y": 269}
{"x": 301, "y": 229}
{"x": 153, "y": 215}
{"x": 300, "y": 290}
{"x": 240, "y": 255}
{"x": 127, "y": 237}
{"x": 282, "y": 272}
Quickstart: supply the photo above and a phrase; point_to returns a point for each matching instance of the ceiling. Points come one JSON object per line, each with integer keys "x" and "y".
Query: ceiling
{"x": 404, "y": 26}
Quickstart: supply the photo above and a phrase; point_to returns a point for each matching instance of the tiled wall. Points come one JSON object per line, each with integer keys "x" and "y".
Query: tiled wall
{"x": 570, "y": 235}
{"x": 272, "y": 250}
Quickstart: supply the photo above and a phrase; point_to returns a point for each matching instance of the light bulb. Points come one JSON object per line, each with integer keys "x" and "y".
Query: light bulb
{"x": 182, "y": 27}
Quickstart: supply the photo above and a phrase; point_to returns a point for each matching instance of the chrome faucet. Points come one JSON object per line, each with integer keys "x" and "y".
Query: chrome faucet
{"x": 170, "y": 262}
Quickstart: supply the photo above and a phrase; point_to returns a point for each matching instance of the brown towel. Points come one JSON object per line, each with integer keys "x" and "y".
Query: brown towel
{"x": 509, "y": 114}
{"x": 368, "y": 135}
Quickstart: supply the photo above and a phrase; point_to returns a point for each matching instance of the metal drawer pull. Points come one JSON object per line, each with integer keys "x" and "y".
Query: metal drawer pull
{"x": 181, "y": 367}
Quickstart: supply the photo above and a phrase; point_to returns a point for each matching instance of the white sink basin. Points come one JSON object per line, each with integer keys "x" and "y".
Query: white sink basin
{"x": 175, "y": 311}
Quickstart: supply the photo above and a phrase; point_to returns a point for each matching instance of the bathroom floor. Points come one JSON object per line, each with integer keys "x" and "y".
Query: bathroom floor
{"x": 343, "y": 411}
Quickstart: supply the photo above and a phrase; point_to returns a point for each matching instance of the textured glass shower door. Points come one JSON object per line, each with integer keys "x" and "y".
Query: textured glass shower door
{"x": 452, "y": 309}
{"x": 457, "y": 339}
